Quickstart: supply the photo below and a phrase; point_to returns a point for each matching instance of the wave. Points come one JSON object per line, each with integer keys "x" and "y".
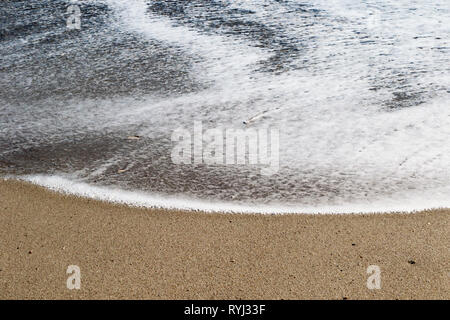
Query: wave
{"x": 362, "y": 108}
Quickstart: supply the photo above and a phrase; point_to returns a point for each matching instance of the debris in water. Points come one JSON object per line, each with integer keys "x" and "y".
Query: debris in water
{"x": 134, "y": 138}
{"x": 259, "y": 115}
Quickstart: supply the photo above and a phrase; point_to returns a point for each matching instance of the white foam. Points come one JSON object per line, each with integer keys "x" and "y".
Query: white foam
{"x": 331, "y": 124}
{"x": 221, "y": 59}
{"x": 413, "y": 201}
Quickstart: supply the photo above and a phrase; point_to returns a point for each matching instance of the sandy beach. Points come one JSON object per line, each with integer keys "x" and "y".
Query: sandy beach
{"x": 131, "y": 253}
{"x": 210, "y": 107}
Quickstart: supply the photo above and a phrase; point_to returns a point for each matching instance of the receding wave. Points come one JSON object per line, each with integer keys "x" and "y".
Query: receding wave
{"x": 359, "y": 92}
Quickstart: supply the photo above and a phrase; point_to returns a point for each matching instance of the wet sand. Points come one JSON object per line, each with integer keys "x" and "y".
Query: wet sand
{"x": 132, "y": 253}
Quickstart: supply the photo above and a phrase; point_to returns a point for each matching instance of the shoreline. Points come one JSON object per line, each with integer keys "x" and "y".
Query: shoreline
{"x": 140, "y": 253}
{"x": 140, "y": 199}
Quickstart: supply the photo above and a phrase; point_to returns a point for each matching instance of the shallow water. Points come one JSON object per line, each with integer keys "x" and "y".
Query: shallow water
{"x": 358, "y": 91}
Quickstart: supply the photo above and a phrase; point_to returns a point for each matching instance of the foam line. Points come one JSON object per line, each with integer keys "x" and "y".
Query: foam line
{"x": 398, "y": 203}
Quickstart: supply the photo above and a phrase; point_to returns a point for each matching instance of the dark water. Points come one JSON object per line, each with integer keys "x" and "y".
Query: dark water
{"x": 358, "y": 91}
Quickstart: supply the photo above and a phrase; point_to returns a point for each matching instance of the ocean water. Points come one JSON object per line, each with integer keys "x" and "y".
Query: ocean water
{"x": 358, "y": 90}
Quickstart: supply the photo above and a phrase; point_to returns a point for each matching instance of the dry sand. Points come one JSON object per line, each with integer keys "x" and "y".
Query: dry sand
{"x": 158, "y": 254}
